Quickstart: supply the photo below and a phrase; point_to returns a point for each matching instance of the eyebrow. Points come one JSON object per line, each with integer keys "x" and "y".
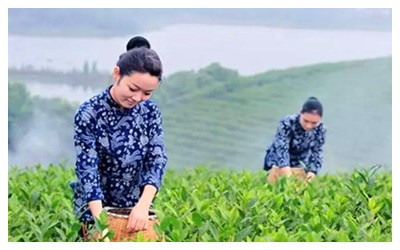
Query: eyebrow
{"x": 145, "y": 90}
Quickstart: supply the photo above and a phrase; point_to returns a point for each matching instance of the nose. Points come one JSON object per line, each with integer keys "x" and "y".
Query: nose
{"x": 137, "y": 98}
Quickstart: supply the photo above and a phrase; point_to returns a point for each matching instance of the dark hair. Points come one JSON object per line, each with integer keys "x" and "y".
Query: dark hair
{"x": 137, "y": 42}
{"x": 312, "y": 105}
{"x": 139, "y": 58}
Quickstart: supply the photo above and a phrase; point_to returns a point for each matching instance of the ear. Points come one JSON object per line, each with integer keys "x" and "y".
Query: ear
{"x": 116, "y": 75}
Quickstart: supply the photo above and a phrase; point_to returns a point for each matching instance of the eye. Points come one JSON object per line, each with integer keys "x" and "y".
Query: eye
{"x": 133, "y": 90}
{"x": 147, "y": 94}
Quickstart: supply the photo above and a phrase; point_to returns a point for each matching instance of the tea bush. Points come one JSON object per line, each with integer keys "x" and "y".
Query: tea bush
{"x": 203, "y": 204}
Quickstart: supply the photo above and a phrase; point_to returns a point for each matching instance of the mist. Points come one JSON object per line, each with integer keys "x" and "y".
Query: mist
{"x": 47, "y": 140}
{"x": 358, "y": 108}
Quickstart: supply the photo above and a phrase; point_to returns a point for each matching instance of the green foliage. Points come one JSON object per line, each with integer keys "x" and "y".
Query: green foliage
{"x": 60, "y": 109}
{"x": 99, "y": 231}
{"x": 40, "y": 205}
{"x": 19, "y": 110}
{"x": 201, "y": 204}
{"x": 227, "y": 205}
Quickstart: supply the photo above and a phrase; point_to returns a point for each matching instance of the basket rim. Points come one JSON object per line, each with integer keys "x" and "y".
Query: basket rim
{"x": 108, "y": 208}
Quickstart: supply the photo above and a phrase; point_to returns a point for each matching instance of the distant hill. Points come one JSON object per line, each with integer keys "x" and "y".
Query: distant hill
{"x": 216, "y": 116}
{"x": 125, "y": 22}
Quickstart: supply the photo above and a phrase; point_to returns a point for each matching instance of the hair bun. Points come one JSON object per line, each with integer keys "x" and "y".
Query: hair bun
{"x": 312, "y": 105}
{"x": 137, "y": 42}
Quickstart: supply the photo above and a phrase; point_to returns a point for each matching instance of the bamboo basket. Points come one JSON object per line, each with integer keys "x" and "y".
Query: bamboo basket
{"x": 118, "y": 220}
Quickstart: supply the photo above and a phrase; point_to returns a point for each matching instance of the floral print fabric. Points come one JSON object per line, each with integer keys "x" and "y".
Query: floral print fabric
{"x": 293, "y": 144}
{"x": 118, "y": 150}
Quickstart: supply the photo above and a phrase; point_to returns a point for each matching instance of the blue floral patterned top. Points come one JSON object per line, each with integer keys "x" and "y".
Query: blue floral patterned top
{"x": 293, "y": 144}
{"x": 119, "y": 151}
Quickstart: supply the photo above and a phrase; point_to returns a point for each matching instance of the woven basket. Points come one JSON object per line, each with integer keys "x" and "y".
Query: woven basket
{"x": 118, "y": 220}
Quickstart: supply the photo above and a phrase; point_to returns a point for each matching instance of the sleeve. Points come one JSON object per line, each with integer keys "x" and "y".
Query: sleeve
{"x": 155, "y": 159}
{"x": 317, "y": 152}
{"x": 87, "y": 159}
{"x": 280, "y": 154}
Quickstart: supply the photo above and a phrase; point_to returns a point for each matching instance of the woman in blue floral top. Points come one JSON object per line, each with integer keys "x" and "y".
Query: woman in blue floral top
{"x": 119, "y": 141}
{"x": 298, "y": 141}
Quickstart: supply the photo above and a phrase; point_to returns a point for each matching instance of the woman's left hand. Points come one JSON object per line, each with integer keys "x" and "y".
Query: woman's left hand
{"x": 309, "y": 177}
{"x": 138, "y": 218}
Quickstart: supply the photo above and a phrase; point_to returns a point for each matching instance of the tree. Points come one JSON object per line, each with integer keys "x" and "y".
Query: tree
{"x": 86, "y": 68}
{"x": 19, "y": 110}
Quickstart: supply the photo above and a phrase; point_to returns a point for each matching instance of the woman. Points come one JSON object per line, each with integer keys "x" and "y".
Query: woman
{"x": 298, "y": 142}
{"x": 119, "y": 141}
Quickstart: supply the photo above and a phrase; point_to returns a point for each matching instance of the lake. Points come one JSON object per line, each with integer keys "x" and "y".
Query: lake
{"x": 248, "y": 49}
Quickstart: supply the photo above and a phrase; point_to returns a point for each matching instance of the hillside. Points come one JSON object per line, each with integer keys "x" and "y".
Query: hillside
{"x": 216, "y": 116}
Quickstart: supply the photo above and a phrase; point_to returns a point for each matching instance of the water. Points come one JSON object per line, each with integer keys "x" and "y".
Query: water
{"x": 72, "y": 94}
{"x": 248, "y": 49}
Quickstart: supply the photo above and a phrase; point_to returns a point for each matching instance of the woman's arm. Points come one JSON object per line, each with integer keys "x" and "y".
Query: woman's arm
{"x": 317, "y": 152}
{"x": 279, "y": 155}
{"x": 156, "y": 159}
{"x": 87, "y": 159}
{"x": 148, "y": 194}
{"x": 95, "y": 208}
{"x": 151, "y": 176}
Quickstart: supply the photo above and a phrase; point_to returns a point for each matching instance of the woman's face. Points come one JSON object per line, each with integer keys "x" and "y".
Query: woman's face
{"x": 130, "y": 90}
{"x": 309, "y": 120}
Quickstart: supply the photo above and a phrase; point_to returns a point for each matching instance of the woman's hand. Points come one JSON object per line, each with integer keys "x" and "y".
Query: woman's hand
{"x": 138, "y": 218}
{"x": 309, "y": 177}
